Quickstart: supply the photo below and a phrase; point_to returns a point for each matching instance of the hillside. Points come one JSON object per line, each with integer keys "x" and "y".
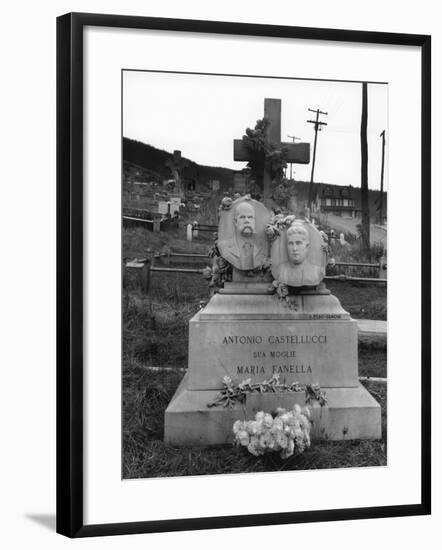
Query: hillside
{"x": 154, "y": 160}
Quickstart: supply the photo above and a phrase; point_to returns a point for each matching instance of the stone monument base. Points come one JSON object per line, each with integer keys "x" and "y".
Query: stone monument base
{"x": 350, "y": 413}
{"x": 257, "y": 336}
{"x": 245, "y": 333}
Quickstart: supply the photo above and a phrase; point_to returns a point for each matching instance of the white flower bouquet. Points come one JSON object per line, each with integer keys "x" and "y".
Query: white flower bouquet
{"x": 287, "y": 433}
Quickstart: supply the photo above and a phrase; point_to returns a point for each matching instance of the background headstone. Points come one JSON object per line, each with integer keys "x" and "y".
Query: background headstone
{"x": 163, "y": 207}
{"x": 175, "y": 203}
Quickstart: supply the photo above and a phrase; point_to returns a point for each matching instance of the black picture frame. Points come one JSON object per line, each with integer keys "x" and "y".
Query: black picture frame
{"x": 70, "y": 239}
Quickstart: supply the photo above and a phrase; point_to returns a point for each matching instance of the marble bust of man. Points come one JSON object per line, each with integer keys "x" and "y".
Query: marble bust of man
{"x": 243, "y": 250}
{"x": 298, "y": 271}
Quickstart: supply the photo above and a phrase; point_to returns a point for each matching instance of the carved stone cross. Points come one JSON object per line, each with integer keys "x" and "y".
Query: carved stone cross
{"x": 298, "y": 153}
{"x": 176, "y": 165}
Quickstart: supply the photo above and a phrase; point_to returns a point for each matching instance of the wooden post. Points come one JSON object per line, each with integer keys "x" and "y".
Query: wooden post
{"x": 318, "y": 124}
{"x": 365, "y": 221}
{"x": 145, "y": 277}
{"x": 189, "y": 232}
{"x": 381, "y": 200}
{"x": 382, "y": 267}
{"x": 156, "y": 223}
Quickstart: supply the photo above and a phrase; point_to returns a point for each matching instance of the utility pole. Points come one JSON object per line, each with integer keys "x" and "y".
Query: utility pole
{"x": 381, "y": 201}
{"x": 365, "y": 221}
{"x": 318, "y": 127}
{"x": 291, "y": 164}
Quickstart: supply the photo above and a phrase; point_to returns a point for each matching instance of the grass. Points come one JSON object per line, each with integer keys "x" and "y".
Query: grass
{"x": 145, "y": 398}
{"x": 155, "y": 324}
{"x": 372, "y": 361}
{"x": 155, "y": 334}
{"x": 138, "y": 240}
{"x": 361, "y": 300}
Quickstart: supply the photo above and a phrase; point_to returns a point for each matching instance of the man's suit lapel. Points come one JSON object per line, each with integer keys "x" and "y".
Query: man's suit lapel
{"x": 233, "y": 250}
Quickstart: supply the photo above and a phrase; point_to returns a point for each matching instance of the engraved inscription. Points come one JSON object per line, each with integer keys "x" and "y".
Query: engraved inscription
{"x": 264, "y": 362}
{"x": 280, "y": 339}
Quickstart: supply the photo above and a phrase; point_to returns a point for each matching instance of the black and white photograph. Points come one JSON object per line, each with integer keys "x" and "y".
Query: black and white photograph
{"x": 222, "y": 250}
{"x": 254, "y": 258}
{"x": 243, "y": 274}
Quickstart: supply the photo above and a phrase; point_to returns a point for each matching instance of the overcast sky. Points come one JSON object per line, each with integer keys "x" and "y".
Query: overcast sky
{"x": 202, "y": 114}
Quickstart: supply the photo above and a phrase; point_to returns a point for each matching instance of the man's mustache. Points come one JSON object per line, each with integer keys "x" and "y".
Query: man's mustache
{"x": 247, "y": 229}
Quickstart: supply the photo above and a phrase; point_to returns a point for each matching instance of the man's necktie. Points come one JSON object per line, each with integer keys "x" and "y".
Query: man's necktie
{"x": 247, "y": 256}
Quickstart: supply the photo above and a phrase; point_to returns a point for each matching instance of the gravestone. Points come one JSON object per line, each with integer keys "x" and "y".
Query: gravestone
{"x": 189, "y": 232}
{"x": 300, "y": 333}
{"x": 163, "y": 207}
{"x": 247, "y": 332}
{"x": 175, "y": 203}
{"x": 177, "y": 164}
{"x": 297, "y": 153}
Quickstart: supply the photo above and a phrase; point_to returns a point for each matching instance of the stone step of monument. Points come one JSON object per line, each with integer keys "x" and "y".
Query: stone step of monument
{"x": 241, "y": 287}
{"x": 372, "y": 333}
{"x": 223, "y": 307}
{"x": 350, "y": 413}
{"x": 369, "y": 327}
{"x": 252, "y": 286}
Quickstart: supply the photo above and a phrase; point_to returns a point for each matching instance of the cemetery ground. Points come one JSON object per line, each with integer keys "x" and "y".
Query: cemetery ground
{"x": 155, "y": 350}
{"x": 344, "y": 224}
